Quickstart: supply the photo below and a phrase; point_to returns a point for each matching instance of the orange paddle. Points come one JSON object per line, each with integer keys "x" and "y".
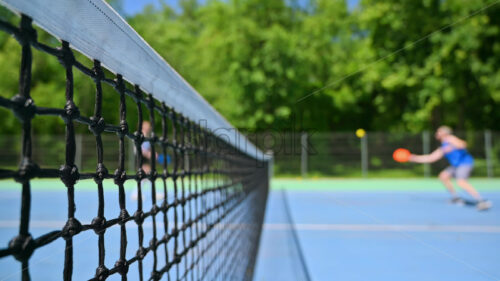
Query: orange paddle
{"x": 401, "y": 155}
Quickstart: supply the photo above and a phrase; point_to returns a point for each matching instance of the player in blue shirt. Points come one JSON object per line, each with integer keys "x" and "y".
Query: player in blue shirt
{"x": 461, "y": 165}
{"x": 146, "y": 163}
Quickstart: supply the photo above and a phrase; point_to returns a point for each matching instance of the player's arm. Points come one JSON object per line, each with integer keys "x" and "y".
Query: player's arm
{"x": 456, "y": 142}
{"x": 428, "y": 158}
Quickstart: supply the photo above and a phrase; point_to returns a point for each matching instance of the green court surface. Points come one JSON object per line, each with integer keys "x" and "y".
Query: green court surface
{"x": 378, "y": 230}
{"x": 321, "y": 184}
{"x": 410, "y": 184}
{"x": 352, "y": 229}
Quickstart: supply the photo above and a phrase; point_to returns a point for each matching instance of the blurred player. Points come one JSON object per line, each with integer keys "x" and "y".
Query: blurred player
{"x": 461, "y": 165}
{"x": 146, "y": 163}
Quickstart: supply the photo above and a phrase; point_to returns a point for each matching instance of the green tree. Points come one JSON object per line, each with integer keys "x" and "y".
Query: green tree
{"x": 439, "y": 64}
{"x": 387, "y": 65}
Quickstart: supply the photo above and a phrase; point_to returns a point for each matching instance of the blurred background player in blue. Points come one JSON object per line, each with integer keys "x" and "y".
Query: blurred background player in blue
{"x": 461, "y": 162}
{"x": 146, "y": 163}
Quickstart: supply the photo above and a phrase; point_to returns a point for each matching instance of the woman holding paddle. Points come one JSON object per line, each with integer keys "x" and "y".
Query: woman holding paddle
{"x": 461, "y": 165}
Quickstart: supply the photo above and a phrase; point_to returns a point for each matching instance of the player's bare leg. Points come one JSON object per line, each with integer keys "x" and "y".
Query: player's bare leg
{"x": 465, "y": 185}
{"x": 445, "y": 178}
{"x": 481, "y": 204}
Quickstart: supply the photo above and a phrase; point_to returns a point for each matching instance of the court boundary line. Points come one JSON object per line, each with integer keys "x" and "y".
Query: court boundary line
{"x": 387, "y": 227}
{"x": 409, "y": 236}
{"x": 315, "y": 227}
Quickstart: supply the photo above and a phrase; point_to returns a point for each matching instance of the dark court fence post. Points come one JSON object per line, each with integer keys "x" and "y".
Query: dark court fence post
{"x": 426, "y": 149}
{"x": 364, "y": 155}
{"x": 303, "y": 155}
{"x": 488, "y": 153}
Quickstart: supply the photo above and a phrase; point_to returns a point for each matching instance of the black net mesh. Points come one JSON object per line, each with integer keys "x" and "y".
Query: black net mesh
{"x": 219, "y": 192}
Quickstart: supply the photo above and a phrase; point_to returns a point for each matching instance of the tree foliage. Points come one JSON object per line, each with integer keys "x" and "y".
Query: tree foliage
{"x": 385, "y": 65}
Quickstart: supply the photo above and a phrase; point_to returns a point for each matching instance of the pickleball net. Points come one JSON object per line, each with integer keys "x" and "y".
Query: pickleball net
{"x": 207, "y": 225}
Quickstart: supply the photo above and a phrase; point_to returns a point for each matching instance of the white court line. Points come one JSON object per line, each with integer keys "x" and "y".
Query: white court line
{"x": 388, "y": 227}
{"x": 308, "y": 227}
{"x": 60, "y": 224}
{"x": 35, "y": 224}
{"x": 57, "y": 225}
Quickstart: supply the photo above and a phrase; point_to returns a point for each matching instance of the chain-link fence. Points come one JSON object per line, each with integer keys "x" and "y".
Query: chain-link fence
{"x": 346, "y": 155}
{"x": 295, "y": 154}
{"x": 49, "y": 151}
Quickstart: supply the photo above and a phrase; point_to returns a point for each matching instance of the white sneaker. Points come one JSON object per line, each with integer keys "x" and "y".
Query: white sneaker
{"x": 484, "y": 205}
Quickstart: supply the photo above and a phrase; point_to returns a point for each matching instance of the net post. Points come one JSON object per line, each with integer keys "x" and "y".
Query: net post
{"x": 488, "y": 152}
{"x": 426, "y": 149}
{"x": 303, "y": 154}
{"x": 364, "y": 156}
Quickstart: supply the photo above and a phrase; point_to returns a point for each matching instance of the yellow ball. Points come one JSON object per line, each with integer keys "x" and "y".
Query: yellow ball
{"x": 360, "y": 133}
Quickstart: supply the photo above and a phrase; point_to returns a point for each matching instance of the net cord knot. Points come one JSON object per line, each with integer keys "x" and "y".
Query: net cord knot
{"x": 69, "y": 175}
{"x": 101, "y": 173}
{"x": 122, "y": 267}
{"x": 71, "y": 228}
{"x": 22, "y": 246}
{"x": 65, "y": 56}
{"x": 120, "y": 177}
{"x": 102, "y": 273}
{"x": 27, "y": 33}
{"x": 27, "y": 170}
{"x": 24, "y": 108}
{"x": 99, "y": 225}
{"x": 97, "y": 125}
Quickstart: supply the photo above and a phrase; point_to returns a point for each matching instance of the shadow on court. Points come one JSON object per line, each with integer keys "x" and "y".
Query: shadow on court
{"x": 380, "y": 235}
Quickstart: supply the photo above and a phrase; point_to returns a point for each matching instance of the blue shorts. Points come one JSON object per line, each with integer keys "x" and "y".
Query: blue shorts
{"x": 460, "y": 172}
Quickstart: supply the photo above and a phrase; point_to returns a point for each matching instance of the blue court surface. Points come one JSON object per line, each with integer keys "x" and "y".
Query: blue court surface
{"x": 380, "y": 235}
{"x": 348, "y": 230}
